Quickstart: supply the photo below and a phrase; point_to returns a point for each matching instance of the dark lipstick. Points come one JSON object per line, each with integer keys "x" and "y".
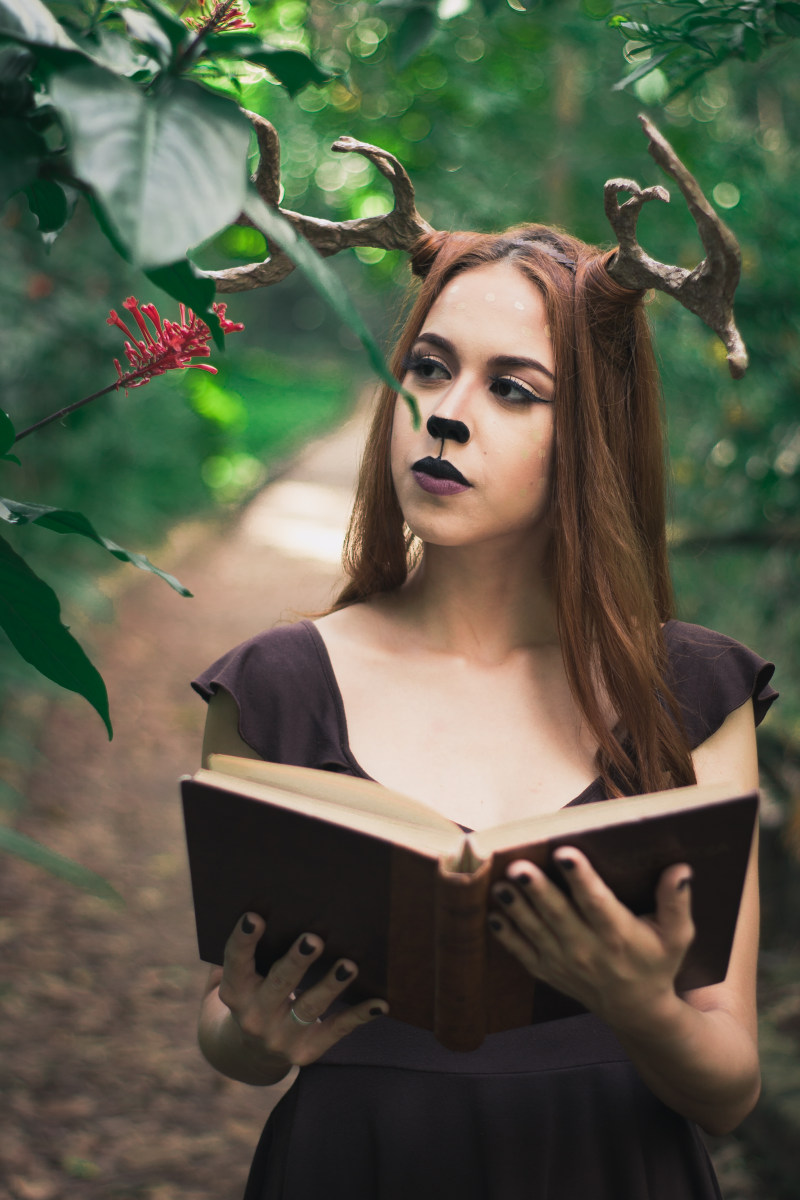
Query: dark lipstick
{"x": 438, "y": 476}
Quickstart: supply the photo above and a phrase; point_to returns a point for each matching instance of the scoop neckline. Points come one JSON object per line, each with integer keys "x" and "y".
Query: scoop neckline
{"x": 341, "y": 717}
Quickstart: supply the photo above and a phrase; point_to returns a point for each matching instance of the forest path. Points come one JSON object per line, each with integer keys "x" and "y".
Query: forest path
{"x": 104, "y": 1091}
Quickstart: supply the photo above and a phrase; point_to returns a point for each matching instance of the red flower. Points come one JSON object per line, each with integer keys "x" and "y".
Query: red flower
{"x": 172, "y": 348}
{"x": 224, "y": 18}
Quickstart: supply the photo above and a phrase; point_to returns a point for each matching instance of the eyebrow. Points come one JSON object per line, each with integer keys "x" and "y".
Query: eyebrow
{"x": 505, "y": 361}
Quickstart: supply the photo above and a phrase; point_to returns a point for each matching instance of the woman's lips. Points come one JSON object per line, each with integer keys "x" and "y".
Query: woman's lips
{"x": 438, "y": 476}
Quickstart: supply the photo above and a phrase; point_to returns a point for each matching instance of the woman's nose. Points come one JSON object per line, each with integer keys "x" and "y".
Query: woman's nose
{"x": 443, "y": 428}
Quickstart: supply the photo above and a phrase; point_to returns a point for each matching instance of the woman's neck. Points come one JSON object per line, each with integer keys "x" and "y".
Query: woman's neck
{"x": 481, "y": 602}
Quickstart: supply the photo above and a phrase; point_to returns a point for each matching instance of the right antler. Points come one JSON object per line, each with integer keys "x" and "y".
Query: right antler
{"x": 396, "y": 230}
{"x": 706, "y": 291}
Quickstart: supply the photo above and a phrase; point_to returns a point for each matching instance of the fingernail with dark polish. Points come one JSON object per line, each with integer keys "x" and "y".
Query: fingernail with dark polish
{"x": 247, "y": 924}
{"x": 376, "y": 1012}
{"x": 505, "y": 895}
{"x": 566, "y": 864}
{"x": 494, "y": 923}
{"x": 306, "y": 947}
{"x": 343, "y": 972}
{"x": 522, "y": 879}
{"x": 685, "y": 883}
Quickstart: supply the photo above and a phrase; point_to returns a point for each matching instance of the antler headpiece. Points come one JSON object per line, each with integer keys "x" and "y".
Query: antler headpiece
{"x": 707, "y": 290}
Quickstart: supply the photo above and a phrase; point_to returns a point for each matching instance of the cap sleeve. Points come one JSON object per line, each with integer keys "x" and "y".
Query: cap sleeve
{"x": 286, "y": 711}
{"x": 712, "y": 675}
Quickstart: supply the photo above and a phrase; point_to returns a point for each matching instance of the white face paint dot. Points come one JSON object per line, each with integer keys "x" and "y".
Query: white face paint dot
{"x": 518, "y": 304}
{"x": 490, "y": 296}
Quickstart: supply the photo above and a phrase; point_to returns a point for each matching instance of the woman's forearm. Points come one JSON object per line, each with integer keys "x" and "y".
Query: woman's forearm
{"x": 703, "y": 1064}
{"x": 231, "y": 1052}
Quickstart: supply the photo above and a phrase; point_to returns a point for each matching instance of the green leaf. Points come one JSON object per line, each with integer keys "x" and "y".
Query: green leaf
{"x": 170, "y": 25}
{"x": 50, "y": 204}
{"x": 21, "y": 152}
{"x": 276, "y": 228}
{"x": 414, "y": 32}
{"x": 30, "y": 614}
{"x": 787, "y": 18}
{"x": 751, "y": 43}
{"x": 643, "y": 69}
{"x": 16, "y": 90}
{"x": 119, "y": 54}
{"x": 64, "y": 868}
{"x": 7, "y": 432}
{"x": 31, "y": 22}
{"x": 187, "y": 285}
{"x": 144, "y": 28}
{"x": 292, "y": 68}
{"x": 168, "y": 169}
{"x": 62, "y": 521}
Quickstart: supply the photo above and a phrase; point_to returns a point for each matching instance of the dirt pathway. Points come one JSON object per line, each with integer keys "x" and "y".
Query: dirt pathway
{"x": 104, "y": 1091}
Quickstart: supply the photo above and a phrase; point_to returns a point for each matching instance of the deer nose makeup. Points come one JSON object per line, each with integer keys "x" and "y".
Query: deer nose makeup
{"x": 442, "y": 428}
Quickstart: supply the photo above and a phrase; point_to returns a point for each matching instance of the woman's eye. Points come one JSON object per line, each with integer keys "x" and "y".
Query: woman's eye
{"x": 514, "y": 391}
{"x": 426, "y": 368}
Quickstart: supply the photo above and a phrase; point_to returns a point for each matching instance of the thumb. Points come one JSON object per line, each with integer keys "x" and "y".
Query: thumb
{"x": 674, "y": 906}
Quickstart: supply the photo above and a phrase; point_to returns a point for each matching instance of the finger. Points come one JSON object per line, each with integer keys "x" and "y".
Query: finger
{"x": 521, "y": 947}
{"x": 674, "y": 907}
{"x": 591, "y": 896}
{"x": 324, "y": 1034}
{"x": 239, "y": 975}
{"x": 316, "y": 1000}
{"x": 286, "y": 973}
{"x": 527, "y": 893}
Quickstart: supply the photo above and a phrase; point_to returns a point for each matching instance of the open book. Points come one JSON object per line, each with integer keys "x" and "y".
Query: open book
{"x": 404, "y": 892}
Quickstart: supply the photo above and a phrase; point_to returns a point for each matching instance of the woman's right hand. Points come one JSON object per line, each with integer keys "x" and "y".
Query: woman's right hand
{"x": 271, "y": 1022}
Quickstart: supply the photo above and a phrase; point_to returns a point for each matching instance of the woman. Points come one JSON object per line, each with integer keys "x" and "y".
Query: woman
{"x": 505, "y": 647}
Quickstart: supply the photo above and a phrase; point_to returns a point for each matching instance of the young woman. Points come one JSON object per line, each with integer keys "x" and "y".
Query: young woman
{"x": 505, "y": 647}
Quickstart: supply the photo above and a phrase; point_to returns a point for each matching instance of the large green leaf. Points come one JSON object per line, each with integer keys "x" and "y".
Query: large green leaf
{"x": 145, "y": 29}
{"x": 30, "y": 614}
{"x": 34, "y": 852}
{"x": 31, "y": 22}
{"x": 174, "y": 29}
{"x": 292, "y": 68}
{"x": 186, "y": 284}
{"x": 169, "y": 168}
{"x": 62, "y": 521}
{"x": 326, "y": 282}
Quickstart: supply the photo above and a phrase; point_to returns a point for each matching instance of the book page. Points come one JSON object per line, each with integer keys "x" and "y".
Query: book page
{"x": 583, "y": 817}
{"x": 357, "y": 804}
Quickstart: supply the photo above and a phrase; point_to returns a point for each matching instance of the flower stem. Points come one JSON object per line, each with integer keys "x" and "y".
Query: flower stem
{"x": 64, "y": 412}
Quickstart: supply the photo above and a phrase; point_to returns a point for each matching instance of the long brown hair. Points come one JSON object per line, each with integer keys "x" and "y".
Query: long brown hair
{"x": 611, "y": 576}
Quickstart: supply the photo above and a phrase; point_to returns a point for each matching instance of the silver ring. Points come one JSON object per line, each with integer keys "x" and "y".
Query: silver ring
{"x": 300, "y": 1020}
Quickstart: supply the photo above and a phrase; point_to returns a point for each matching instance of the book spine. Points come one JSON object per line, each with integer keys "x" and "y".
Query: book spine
{"x": 461, "y": 938}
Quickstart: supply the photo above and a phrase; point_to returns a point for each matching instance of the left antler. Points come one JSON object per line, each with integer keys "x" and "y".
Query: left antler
{"x": 396, "y": 230}
{"x": 706, "y": 291}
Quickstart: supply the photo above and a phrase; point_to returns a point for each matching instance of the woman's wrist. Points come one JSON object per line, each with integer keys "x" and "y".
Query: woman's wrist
{"x": 658, "y": 1017}
{"x": 239, "y": 1055}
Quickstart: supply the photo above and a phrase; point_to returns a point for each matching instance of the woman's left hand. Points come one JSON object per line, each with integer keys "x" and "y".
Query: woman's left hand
{"x": 588, "y": 944}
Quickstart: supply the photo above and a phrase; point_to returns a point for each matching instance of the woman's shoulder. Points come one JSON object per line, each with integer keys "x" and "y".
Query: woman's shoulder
{"x": 711, "y": 675}
{"x": 281, "y": 683}
{"x": 280, "y": 655}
